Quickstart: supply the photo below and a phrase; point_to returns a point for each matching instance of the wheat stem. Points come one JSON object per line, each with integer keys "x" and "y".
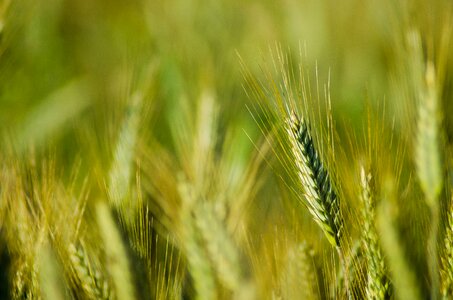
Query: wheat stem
{"x": 404, "y": 280}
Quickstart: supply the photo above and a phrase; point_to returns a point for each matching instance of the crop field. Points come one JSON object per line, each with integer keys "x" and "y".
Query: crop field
{"x": 226, "y": 149}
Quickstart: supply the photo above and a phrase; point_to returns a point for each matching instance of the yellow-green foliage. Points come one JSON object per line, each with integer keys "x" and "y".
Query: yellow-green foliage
{"x": 217, "y": 149}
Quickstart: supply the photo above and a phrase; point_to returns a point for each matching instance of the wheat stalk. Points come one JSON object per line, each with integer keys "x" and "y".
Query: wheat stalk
{"x": 403, "y": 278}
{"x": 319, "y": 193}
{"x": 51, "y": 281}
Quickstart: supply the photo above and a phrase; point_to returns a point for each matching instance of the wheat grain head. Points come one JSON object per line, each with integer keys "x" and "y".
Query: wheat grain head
{"x": 319, "y": 192}
{"x": 377, "y": 285}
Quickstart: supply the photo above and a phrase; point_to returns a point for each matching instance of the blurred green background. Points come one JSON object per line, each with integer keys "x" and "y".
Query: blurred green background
{"x": 68, "y": 69}
{"x": 65, "y": 65}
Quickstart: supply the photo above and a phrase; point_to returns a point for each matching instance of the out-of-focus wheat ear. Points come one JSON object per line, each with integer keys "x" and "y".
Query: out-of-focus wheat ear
{"x": 299, "y": 280}
{"x": 25, "y": 279}
{"x": 446, "y": 274}
{"x": 21, "y": 234}
{"x": 222, "y": 252}
{"x": 117, "y": 262}
{"x": 120, "y": 173}
{"x": 91, "y": 280}
{"x": 402, "y": 277}
{"x": 200, "y": 268}
{"x": 354, "y": 265}
{"x": 378, "y": 284}
{"x": 51, "y": 278}
{"x": 429, "y": 170}
{"x": 319, "y": 192}
{"x": 428, "y": 158}
{"x": 25, "y": 282}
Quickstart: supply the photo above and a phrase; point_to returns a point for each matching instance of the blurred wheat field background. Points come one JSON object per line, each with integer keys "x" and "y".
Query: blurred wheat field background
{"x": 226, "y": 149}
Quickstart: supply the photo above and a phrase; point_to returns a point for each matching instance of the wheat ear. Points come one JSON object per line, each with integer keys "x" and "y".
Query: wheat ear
{"x": 90, "y": 279}
{"x": 117, "y": 258}
{"x": 299, "y": 280}
{"x": 429, "y": 168}
{"x": 378, "y": 285}
{"x": 121, "y": 170}
{"x": 319, "y": 193}
{"x": 447, "y": 258}
{"x": 219, "y": 247}
{"x": 199, "y": 265}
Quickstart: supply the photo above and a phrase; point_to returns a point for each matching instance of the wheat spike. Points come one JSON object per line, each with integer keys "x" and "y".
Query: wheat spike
{"x": 447, "y": 258}
{"x": 91, "y": 280}
{"x": 429, "y": 170}
{"x": 219, "y": 246}
{"x": 322, "y": 200}
{"x": 117, "y": 259}
{"x": 199, "y": 266}
{"x": 25, "y": 282}
{"x": 299, "y": 280}
{"x": 428, "y": 159}
{"x": 121, "y": 168}
{"x": 378, "y": 285}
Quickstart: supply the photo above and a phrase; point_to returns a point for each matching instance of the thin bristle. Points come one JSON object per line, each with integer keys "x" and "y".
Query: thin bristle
{"x": 319, "y": 193}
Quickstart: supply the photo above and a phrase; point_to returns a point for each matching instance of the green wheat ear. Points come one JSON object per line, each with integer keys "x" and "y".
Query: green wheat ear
{"x": 378, "y": 285}
{"x": 321, "y": 198}
{"x": 116, "y": 255}
{"x": 428, "y": 158}
{"x": 299, "y": 280}
{"x": 429, "y": 166}
{"x": 446, "y": 273}
{"x": 87, "y": 275}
